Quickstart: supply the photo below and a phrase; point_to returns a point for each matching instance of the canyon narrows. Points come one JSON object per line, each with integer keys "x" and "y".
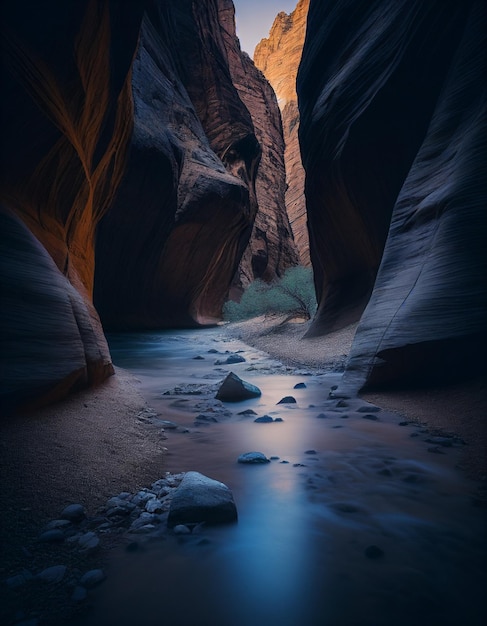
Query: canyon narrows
{"x": 152, "y": 172}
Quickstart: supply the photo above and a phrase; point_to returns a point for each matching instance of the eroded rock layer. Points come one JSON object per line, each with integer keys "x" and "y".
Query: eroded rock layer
{"x": 392, "y": 105}
{"x": 168, "y": 249}
{"x": 66, "y": 118}
{"x": 278, "y": 57}
{"x": 271, "y": 249}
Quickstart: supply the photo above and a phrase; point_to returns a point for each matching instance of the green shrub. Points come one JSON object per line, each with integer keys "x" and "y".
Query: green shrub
{"x": 292, "y": 294}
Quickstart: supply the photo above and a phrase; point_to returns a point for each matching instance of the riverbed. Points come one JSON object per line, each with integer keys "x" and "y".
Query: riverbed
{"x": 360, "y": 518}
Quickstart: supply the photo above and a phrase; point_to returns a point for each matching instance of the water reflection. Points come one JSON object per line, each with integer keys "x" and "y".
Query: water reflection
{"x": 296, "y": 555}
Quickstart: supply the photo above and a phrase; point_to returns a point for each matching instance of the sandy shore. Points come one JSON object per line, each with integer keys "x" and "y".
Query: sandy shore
{"x": 82, "y": 450}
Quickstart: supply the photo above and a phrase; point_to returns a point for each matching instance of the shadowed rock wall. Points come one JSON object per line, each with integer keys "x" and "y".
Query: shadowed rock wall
{"x": 168, "y": 249}
{"x": 65, "y": 121}
{"x": 392, "y": 104}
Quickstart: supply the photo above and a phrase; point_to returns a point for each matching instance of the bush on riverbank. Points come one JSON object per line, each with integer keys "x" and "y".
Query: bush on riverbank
{"x": 292, "y": 294}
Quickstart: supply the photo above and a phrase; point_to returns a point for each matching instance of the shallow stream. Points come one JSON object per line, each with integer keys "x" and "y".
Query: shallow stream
{"x": 345, "y": 478}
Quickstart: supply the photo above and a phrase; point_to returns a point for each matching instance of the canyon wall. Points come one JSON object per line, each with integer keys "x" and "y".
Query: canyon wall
{"x": 271, "y": 249}
{"x": 278, "y": 57}
{"x": 66, "y": 119}
{"x": 127, "y": 141}
{"x": 392, "y": 104}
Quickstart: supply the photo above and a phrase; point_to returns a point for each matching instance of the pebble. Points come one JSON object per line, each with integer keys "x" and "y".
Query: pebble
{"x": 74, "y": 513}
{"x": 252, "y": 458}
{"x": 247, "y": 412}
{"x": 89, "y": 542}
{"x": 19, "y": 579}
{"x": 154, "y": 506}
{"x": 53, "y": 574}
{"x": 287, "y": 400}
{"x": 92, "y": 578}
{"x": 52, "y": 536}
{"x": 142, "y": 497}
{"x": 58, "y": 524}
{"x": 264, "y": 419}
{"x": 300, "y": 386}
{"x": 181, "y": 529}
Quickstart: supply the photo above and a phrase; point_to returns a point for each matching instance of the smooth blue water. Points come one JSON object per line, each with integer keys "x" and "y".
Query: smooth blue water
{"x": 296, "y": 556}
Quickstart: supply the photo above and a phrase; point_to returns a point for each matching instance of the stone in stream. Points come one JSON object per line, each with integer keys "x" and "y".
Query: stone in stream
{"x": 253, "y": 458}
{"x": 287, "y": 400}
{"x": 234, "y": 389}
{"x": 299, "y": 386}
{"x": 92, "y": 578}
{"x": 247, "y": 412}
{"x": 370, "y": 416}
{"x": 198, "y": 358}
{"x": 265, "y": 419}
{"x": 233, "y": 358}
{"x": 201, "y": 499}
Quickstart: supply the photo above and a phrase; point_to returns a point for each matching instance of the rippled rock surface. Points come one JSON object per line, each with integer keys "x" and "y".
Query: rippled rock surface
{"x": 393, "y": 140}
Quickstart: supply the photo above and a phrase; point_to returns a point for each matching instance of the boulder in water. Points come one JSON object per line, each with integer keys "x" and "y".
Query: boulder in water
{"x": 201, "y": 499}
{"x": 234, "y": 389}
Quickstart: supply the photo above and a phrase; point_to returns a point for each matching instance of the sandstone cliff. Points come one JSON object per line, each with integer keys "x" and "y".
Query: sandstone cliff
{"x": 392, "y": 132}
{"x": 271, "y": 249}
{"x": 278, "y": 57}
{"x": 66, "y": 117}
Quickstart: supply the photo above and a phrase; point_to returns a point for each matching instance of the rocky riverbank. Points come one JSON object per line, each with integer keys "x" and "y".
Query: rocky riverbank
{"x": 106, "y": 451}
{"x": 457, "y": 410}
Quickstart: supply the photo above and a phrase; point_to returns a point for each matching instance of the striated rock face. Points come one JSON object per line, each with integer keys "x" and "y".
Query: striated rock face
{"x": 65, "y": 121}
{"x": 278, "y": 57}
{"x": 393, "y": 135}
{"x": 168, "y": 249}
{"x": 271, "y": 249}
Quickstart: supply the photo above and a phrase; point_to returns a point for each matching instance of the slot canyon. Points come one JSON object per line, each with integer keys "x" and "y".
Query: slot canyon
{"x": 153, "y": 175}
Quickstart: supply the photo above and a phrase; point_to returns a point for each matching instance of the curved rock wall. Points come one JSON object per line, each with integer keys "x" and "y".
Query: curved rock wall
{"x": 65, "y": 121}
{"x": 392, "y": 106}
{"x": 191, "y": 175}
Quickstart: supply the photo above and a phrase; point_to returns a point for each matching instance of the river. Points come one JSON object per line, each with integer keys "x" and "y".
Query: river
{"x": 300, "y": 554}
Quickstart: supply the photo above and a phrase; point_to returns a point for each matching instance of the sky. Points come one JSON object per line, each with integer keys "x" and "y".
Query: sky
{"x": 254, "y": 19}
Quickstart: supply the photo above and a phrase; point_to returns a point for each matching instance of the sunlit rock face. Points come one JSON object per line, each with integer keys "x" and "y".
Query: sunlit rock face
{"x": 271, "y": 249}
{"x": 392, "y": 131}
{"x": 170, "y": 246}
{"x": 65, "y": 121}
{"x": 278, "y": 57}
